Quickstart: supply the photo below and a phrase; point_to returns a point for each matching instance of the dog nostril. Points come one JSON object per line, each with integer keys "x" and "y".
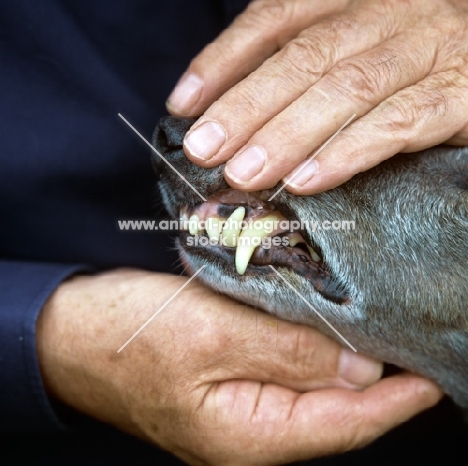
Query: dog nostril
{"x": 167, "y": 138}
{"x": 171, "y": 131}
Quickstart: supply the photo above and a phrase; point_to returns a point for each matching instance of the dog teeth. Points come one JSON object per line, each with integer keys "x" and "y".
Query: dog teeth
{"x": 294, "y": 239}
{"x": 232, "y": 227}
{"x": 250, "y": 238}
{"x": 193, "y": 225}
{"x": 313, "y": 254}
{"x": 213, "y": 227}
{"x": 246, "y": 240}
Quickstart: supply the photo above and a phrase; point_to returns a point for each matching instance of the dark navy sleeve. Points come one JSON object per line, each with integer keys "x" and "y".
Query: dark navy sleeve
{"x": 24, "y": 288}
{"x": 70, "y": 169}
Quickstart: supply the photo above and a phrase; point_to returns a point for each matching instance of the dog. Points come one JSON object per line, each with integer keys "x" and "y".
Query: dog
{"x": 395, "y": 287}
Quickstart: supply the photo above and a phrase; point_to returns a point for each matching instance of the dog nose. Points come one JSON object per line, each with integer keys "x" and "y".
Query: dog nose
{"x": 168, "y": 138}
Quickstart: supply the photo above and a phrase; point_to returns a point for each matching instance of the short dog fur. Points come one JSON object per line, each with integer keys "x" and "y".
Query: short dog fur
{"x": 403, "y": 270}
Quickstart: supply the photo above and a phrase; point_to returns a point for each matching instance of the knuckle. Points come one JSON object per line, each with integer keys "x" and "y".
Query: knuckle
{"x": 407, "y": 112}
{"x": 452, "y": 46}
{"x": 459, "y": 63}
{"x": 315, "y": 50}
{"x": 361, "y": 80}
{"x": 454, "y": 25}
{"x": 350, "y": 19}
{"x": 267, "y": 14}
{"x": 432, "y": 99}
{"x": 433, "y": 102}
{"x": 446, "y": 17}
{"x": 354, "y": 80}
{"x": 399, "y": 117}
{"x": 307, "y": 57}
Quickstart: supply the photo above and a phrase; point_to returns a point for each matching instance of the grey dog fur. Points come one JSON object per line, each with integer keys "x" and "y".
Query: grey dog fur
{"x": 405, "y": 265}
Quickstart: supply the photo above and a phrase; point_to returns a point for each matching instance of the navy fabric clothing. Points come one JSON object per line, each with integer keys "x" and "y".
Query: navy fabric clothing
{"x": 24, "y": 287}
{"x": 70, "y": 168}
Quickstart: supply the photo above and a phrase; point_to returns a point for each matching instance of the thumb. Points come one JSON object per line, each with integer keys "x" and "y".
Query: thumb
{"x": 294, "y": 356}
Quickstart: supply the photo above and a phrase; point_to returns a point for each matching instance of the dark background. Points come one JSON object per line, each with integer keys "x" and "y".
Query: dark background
{"x": 70, "y": 169}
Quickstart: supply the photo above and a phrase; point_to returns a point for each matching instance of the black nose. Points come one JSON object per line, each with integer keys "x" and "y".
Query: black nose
{"x": 168, "y": 137}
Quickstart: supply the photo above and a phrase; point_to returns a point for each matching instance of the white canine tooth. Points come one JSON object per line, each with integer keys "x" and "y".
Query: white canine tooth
{"x": 295, "y": 238}
{"x": 213, "y": 227}
{"x": 232, "y": 227}
{"x": 313, "y": 254}
{"x": 250, "y": 238}
{"x": 183, "y": 219}
{"x": 193, "y": 225}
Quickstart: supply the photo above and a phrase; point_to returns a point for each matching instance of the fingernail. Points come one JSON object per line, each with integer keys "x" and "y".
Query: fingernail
{"x": 247, "y": 164}
{"x": 205, "y": 141}
{"x": 358, "y": 369}
{"x": 302, "y": 173}
{"x": 186, "y": 94}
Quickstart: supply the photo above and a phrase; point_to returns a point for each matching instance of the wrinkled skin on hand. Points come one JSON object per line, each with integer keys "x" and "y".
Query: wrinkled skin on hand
{"x": 399, "y": 66}
{"x": 209, "y": 379}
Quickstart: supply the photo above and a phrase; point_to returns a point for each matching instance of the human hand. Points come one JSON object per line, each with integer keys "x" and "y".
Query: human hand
{"x": 400, "y": 66}
{"x": 211, "y": 380}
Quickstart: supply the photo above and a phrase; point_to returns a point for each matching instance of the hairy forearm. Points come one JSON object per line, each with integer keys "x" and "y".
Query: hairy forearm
{"x": 79, "y": 331}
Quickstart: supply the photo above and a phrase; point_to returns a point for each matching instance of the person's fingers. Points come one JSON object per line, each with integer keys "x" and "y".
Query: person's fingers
{"x": 348, "y": 420}
{"x": 228, "y": 340}
{"x": 353, "y": 87}
{"x": 239, "y": 113}
{"x": 255, "y": 35}
{"x": 260, "y": 347}
{"x": 288, "y": 426}
{"x": 413, "y": 119}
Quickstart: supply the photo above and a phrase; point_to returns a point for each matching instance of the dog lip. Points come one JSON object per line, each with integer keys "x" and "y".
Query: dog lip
{"x": 292, "y": 257}
{"x": 222, "y": 258}
{"x": 218, "y": 209}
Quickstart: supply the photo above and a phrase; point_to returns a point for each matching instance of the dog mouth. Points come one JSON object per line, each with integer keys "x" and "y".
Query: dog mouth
{"x": 251, "y": 233}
